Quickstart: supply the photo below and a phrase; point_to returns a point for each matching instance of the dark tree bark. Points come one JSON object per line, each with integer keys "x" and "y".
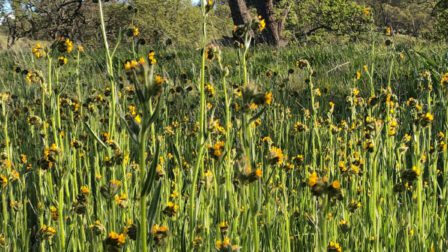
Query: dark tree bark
{"x": 240, "y": 15}
{"x": 265, "y": 8}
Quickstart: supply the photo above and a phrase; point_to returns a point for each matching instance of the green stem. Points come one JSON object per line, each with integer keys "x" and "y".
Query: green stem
{"x": 143, "y": 206}
{"x": 61, "y": 218}
{"x": 202, "y": 123}
{"x": 110, "y": 71}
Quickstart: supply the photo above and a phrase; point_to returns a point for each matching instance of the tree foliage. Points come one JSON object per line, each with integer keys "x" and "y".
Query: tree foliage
{"x": 175, "y": 20}
{"x": 299, "y": 19}
{"x": 180, "y": 21}
{"x": 410, "y": 17}
{"x": 441, "y": 15}
{"x": 341, "y": 17}
{"x": 47, "y": 19}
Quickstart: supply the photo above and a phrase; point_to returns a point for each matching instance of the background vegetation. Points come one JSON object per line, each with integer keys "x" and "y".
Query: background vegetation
{"x": 179, "y": 20}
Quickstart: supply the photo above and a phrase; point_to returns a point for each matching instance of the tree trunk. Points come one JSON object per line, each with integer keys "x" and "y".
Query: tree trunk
{"x": 240, "y": 15}
{"x": 271, "y": 34}
{"x": 265, "y": 8}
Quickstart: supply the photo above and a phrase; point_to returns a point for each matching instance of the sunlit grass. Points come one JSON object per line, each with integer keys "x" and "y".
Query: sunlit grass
{"x": 251, "y": 148}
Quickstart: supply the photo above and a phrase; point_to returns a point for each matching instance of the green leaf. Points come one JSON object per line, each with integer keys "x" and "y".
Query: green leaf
{"x": 256, "y": 116}
{"x": 154, "y": 203}
{"x": 176, "y": 154}
{"x": 151, "y": 175}
{"x": 148, "y": 121}
{"x": 131, "y": 132}
{"x": 95, "y": 136}
{"x": 183, "y": 242}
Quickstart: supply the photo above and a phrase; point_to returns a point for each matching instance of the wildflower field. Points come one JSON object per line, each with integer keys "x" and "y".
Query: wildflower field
{"x": 131, "y": 148}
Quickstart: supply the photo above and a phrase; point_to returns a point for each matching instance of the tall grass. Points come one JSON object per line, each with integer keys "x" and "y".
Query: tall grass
{"x": 257, "y": 149}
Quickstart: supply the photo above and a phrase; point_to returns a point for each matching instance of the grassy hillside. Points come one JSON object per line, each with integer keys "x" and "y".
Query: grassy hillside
{"x": 335, "y": 64}
{"x": 21, "y": 45}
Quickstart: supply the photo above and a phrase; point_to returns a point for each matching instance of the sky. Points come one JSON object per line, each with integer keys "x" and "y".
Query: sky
{"x": 7, "y": 7}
